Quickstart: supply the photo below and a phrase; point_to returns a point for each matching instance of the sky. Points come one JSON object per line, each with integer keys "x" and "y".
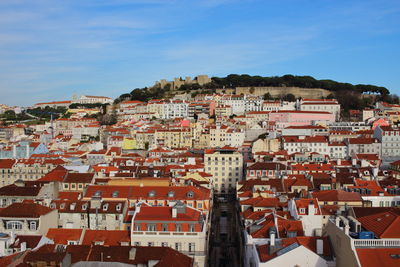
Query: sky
{"x": 50, "y": 50}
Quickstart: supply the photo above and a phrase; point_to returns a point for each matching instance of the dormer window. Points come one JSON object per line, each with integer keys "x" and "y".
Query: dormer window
{"x": 302, "y": 210}
{"x": 53, "y": 205}
{"x": 84, "y": 207}
{"x": 171, "y": 194}
{"x": 190, "y": 194}
{"x": 105, "y": 207}
{"x": 62, "y": 206}
{"x": 152, "y": 193}
{"x": 97, "y": 193}
{"x": 118, "y": 208}
{"x": 115, "y": 194}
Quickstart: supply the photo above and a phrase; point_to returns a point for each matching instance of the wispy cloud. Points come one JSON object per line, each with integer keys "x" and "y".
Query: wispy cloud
{"x": 52, "y": 48}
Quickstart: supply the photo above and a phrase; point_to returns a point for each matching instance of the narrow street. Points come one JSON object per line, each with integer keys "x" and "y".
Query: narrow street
{"x": 225, "y": 239}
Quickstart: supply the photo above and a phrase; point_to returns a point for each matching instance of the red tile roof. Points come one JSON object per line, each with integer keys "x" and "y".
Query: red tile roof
{"x": 62, "y": 236}
{"x": 385, "y": 224}
{"x": 109, "y": 237}
{"x": 24, "y": 210}
{"x": 7, "y": 163}
{"x": 161, "y": 192}
{"x": 382, "y": 257}
{"x": 56, "y": 175}
{"x": 165, "y": 214}
{"x": 85, "y": 178}
{"x": 336, "y": 195}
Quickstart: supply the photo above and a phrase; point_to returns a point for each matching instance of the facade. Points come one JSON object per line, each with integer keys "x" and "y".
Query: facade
{"x": 325, "y": 105}
{"x": 226, "y": 166}
{"x": 284, "y": 118}
{"x": 390, "y": 139}
{"x": 363, "y": 146}
{"x": 179, "y": 227}
{"x": 93, "y": 214}
{"x": 89, "y": 99}
{"x": 175, "y": 109}
{"x": 27, "y": 219}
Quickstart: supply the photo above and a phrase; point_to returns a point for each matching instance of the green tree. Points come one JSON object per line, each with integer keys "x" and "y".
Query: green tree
{"x": 267, "y": 96}
{"x": 289, "y": 97}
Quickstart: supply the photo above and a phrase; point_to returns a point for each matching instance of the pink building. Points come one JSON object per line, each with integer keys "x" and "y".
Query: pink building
{"x": 286, "y": 118}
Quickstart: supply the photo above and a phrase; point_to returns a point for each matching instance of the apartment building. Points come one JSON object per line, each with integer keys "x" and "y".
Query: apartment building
{"x": 179, "y": 227}
{"x": 226, "y": 166}
{"x": 390, "y": 139}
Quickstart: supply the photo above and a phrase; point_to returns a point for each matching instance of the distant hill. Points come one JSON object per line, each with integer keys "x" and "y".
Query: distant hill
{"x": 349, "y": 95}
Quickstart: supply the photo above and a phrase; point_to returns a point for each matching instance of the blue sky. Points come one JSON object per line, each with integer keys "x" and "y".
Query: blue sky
{"x": 51, "y": 49}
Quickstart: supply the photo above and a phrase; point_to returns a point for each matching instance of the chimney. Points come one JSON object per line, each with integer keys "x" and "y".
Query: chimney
{"x": 23, "y": 246}
{"x": 354, "y": 162}
{"x": 311, "y": 208}
{"x": 320, "y": 246}
{"x": 375, "y": 172}
{"x": 272, "y": 238}
{"x": 337, "y": 221}
{"x": 346, "y": 229}
{"x": 137, "y": 209}
{"x": 27, "y": 151}
{"x": 132, "y": 254}
{"x": 174, "y": 212}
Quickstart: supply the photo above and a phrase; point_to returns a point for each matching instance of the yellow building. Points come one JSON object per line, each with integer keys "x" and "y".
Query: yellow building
{"x": 129, "y": 143}
{"x": 177, "y": 138}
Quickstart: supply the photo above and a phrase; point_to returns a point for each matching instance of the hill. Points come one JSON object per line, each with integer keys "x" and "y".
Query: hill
{"x": 349, "y": 95}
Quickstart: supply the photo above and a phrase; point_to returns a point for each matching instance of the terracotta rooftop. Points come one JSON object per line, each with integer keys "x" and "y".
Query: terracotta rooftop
{"x": 24, "y": 210}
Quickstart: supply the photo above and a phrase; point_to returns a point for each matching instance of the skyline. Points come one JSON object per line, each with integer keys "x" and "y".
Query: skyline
{"x": 52, "y": 50}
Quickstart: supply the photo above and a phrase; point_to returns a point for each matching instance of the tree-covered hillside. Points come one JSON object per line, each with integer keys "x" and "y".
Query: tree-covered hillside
{"x": 349, "y": 95}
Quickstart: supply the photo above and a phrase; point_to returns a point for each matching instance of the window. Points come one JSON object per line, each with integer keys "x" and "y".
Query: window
{"x": 199, "y": 205}
{"x": 192, "y": 247}
{"x": 103, "y": 217}
{"x": 82, "y": 216}
{"x": 178, "y": 227}
{"x": 191, "y": 227}
{"x": 164, "y": 244}
{"x": 32, "y": 226}
{"x": 14, "y": 225}
{"x": 151, "y": 227}
{"x": 178, "y": 246}
{"x": 150, "y": 244}
{"x": 164, "y": 227}
{"x": 138, "y": 227}
{"x": 118, "y": 208}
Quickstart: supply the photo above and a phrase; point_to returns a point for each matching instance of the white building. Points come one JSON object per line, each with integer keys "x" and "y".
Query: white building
{"x": 90, "y": 99}
{"x": 226, "y": 166}
{"x": 318, "y": 144}
{"x": 174, "y": 109}
{"x": 309, "y": 212}
{"x": 390, "y": 139}
{"x": 179, "y": 226}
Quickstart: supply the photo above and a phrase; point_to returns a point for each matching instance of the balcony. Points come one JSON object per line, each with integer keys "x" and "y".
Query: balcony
{"x": 371, "y": 243}
{"x": 166, "y": 233}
